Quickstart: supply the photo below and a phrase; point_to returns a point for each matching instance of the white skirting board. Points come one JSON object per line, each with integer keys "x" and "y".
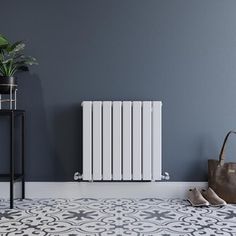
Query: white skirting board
{"x": 103, "y": 190}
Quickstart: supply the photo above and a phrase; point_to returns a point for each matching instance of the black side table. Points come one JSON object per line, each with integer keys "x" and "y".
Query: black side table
{"x": 12, "y": 177}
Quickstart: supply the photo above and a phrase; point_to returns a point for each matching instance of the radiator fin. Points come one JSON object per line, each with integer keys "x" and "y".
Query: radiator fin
{"x": 116, "y": 140}
{"x": 147, "y": 140}
{"x": 107, "y": 139}
{"x": 97, "y": 140}
{"x": 87, "y": 141}
{"x": 127, "y": 137}
{"x": 137, "y": 132}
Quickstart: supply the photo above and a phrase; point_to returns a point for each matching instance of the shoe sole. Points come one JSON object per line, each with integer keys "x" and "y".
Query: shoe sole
{"x": 198, "y": 205}
{"x": 220, "y": 205}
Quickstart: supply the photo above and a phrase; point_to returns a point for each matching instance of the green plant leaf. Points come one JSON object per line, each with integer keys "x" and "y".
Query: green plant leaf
{"x": 4, "y": 69}
{"x": 12, "y": 71}
{"x": 1, "y": 55}
{"x": 1, "y": 70}
{"x": 3, "y": 41}
{"x": 16, "y": 47}
{"x": 18, "y": 55}
{"x": 9, "y": 66}
{"x": 26, "y": 61}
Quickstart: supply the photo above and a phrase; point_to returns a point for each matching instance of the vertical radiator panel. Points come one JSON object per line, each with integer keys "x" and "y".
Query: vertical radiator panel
{"x": 147, "y": 141}
{"x": 97, "y": 140}
{"x": 122, "y": 140}
{"x": 127, "y": 141}
{"x": 137, "y": 140}
{"x": 116, "y": 140}
{"x": 87, "y": 140}
{"x": 106, "y": 110}
{"x": 157, "y": 140}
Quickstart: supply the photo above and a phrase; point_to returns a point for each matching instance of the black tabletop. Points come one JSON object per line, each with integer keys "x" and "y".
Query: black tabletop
{"x": 8, "y": 112}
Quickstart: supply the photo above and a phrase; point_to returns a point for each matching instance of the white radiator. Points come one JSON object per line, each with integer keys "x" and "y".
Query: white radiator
{"x": 121, "y": 140}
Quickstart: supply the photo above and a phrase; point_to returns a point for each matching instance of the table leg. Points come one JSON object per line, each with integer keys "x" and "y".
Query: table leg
{"x": 23, "y": 154}
{"x": 12, "y": 161}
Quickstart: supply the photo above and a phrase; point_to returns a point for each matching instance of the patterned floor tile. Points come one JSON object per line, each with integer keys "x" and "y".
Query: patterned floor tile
{"x": 104, "y": 217}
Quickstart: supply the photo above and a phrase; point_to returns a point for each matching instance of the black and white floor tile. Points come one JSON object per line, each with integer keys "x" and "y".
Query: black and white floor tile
{"x": 103, "y": 217}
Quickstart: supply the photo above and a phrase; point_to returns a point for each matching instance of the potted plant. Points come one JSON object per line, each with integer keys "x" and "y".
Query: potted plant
{"x": 12, "y": 60}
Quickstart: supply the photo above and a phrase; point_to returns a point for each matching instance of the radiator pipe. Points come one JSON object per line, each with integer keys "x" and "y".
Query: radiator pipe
{"x": 166, "y": 176}
{"x": 79, "y": 177}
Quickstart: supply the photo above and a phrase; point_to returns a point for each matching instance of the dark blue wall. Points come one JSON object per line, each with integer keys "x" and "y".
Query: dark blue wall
{"x": 182, "y": 52}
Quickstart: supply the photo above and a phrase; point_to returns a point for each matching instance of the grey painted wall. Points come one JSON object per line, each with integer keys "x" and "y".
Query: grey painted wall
{"x": 182, "y": 52}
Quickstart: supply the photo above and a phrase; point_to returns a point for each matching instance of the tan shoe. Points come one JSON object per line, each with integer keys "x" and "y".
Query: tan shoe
{"x": 213, "y": 198}
{"x": 196, "y": 199}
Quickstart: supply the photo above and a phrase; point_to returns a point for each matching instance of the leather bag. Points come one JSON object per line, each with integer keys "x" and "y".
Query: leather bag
{"x": 222, "y": 176}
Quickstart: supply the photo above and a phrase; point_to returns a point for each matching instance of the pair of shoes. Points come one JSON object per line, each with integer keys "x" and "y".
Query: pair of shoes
{"x": 204, "y": 198}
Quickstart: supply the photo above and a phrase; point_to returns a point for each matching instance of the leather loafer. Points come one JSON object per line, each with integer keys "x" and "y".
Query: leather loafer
{"x": 196, "y": 199}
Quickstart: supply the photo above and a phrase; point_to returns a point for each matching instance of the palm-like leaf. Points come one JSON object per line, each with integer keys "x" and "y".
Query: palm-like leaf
{"x": 3, "y": 41}
{"x": 3, "y": 68}
{"x": 16, "y": 47}
{"x": 12, "y": 58}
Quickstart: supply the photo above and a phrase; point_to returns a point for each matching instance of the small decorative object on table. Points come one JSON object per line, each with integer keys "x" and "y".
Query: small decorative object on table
{"x": 12, "y": 60}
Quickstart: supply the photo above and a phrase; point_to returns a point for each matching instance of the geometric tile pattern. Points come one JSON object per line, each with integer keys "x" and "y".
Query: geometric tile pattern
{"x": 104, "y": 217}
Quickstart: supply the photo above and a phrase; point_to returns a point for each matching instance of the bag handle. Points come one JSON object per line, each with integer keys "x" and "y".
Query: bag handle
{"x": 222, "y": 157}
